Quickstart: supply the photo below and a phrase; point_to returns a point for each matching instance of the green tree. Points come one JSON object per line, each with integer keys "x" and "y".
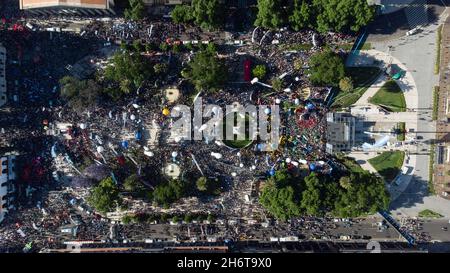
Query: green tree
{"x": 259, "y": 71}
{"x": 206, "y": 71}
{"x": 127, "y": 72}
{"x": 133, "y": 184}
{"x": 277, "y": 84}
{"x": 211, "y": 218}
{"x": 327, "y": 68}
{"x": 342, "y": 15}
{"x": 298, "y": 64}
{"x": 168, "y": 192}
{"x": 367, "y": 194}
{"x": 161, "y": 68}
{"x": 182, "y": 14}
{"x": 208, "y": 14}
{"x": 137, "y": 46}
{"x": 270, "y": 14}
{"x": 311, "y": 196}
{"x": 202, "y": 184}
{"x": 80, "y": 94}
{"x": 136, "y": 11}
{"x": 301, "y": 15}
{"x": 164, "y": 47}
{"x": 105, "y": 196}
{"x": 346, "y": 84}
{"x": 280, "y": 202}
{"x": 279, "y": 196}
{"x": 126, "y": 219}
{"x": 345, "y": 182}
{"x": 188, "y": 217}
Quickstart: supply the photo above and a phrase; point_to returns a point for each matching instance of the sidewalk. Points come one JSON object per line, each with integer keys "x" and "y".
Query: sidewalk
{"x": 371, "y": 91}
{"x": 406, "y": 83}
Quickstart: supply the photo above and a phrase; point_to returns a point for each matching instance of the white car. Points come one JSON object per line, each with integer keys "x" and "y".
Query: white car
{"x": 413, "y": 31}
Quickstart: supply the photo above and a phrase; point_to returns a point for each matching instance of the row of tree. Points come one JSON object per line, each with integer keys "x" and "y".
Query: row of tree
{"x": 164, "y": 218}
{"x": 360, "y": 193}
{"x": 208, "y": 14}
{"x": 322, "y": 15}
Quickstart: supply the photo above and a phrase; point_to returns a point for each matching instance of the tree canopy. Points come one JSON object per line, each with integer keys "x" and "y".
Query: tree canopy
{"x": 270, "y": 14}
{"x": 80, "y": 94}
{"x": 105, "y": 196}
{"x": 322, "y": 15}
{"x": 182, "y": 14}
{"x": 128, "y": 71}
{"x": 168, "y": 192}
{"x": 341, "y": 15}
{"x": 327, "y": 68}
{"x": 136, "y": 11}
{"x": 350, "y": 195}
{"x": 133, "y": 184}
{"x": 301, "y": 15}
{"x": 206, "y": 71}
{"x": 208, "y": 14}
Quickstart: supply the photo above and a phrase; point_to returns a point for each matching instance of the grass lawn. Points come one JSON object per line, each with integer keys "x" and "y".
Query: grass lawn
{"x": 362, "y": 78}
{"x": 429, "y": 214}
{"x": 401, "y": 131}
{"x": 391, "y": 97}
{"x": 435, "y": 102}
{"x": 350, "y": 163}
{"x": 388, "y": 164}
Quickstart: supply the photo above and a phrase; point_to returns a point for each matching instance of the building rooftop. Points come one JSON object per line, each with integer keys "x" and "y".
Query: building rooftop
{"x": 31, "y": 4}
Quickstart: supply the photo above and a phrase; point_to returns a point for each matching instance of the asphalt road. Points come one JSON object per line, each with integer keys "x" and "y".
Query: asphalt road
{"x": 418, "y": 54}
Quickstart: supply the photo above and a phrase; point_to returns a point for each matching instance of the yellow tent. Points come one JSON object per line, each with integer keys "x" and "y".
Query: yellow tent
{"x": 166, "y": 112}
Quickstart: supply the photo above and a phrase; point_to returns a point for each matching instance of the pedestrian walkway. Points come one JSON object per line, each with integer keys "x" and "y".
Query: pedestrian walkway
{"x": 382, "y": 59}
{"x": 371, "y": 91}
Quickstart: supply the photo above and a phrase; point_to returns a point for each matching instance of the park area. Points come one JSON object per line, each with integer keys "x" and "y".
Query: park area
{"x": 388, "y": 164}
{"x": 391, "y": 97}
{"x": 429, "y": 214}
{"x": 362, "y": 78}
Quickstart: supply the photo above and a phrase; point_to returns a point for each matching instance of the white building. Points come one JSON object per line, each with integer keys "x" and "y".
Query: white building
{"x": 7, "y": 177}
{"x": 68, "y": 7}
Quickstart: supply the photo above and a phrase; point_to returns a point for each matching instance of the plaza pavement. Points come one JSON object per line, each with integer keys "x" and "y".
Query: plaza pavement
{"x": 415, "y": 55}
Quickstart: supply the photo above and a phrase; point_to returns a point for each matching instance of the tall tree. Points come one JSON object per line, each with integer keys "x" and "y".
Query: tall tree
{"x": 280, "y": 202}
{"x": 208, "y": 14}
{"x": 105, "y": 196}
{"x": 342, "y": 15}
{"x": 206, "y": 71}
{"x": 270, "y": 14}
{"x": 301, "y": 15}
{"x": 182, "y": 14}
{"x": 327, "y": 68}
{"x": 311, "y": 196}
{"x": 136, "y": 11}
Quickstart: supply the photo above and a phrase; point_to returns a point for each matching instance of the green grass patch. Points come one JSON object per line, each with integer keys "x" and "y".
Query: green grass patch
{"x": 435, "y": 102}
{"x": 362, "y": 78}
{"x": 350, "y": 163}
{"x": 429, "y": 214}
{"x": 401, "y": 131}
{"x": 431, "y": 190}
{"x": 388, "y": 164}
{"x": 437, "y": 63}
{"x": 391, "y": 97}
